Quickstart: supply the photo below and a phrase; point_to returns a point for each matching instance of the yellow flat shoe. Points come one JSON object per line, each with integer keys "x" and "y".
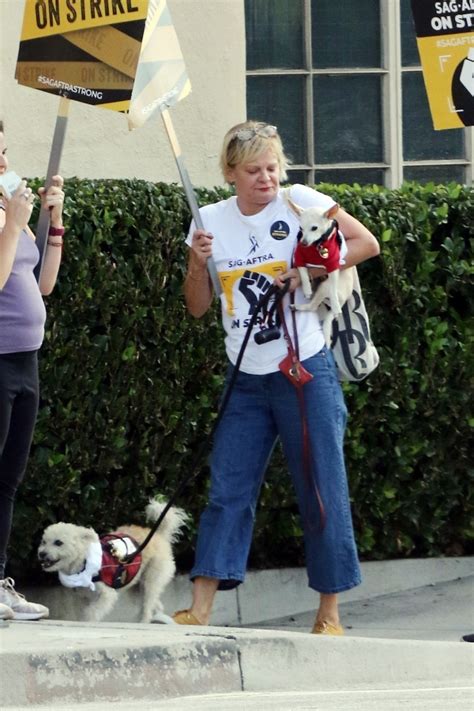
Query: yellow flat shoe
{"x": 185, "y": 617}
{"x": 324, "y": 627}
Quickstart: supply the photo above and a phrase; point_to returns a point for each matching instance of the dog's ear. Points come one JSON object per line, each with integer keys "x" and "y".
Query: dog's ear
{"x": 293, "y": 206}
{"x": 88, "y": 535}
{"x": 332, "y": 211}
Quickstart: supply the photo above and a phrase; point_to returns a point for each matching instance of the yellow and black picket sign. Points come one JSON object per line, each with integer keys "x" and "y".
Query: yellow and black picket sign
{"x": 122, "y": 55}
{"x": 445, "y": 38}
{"x": 85, "y": 50}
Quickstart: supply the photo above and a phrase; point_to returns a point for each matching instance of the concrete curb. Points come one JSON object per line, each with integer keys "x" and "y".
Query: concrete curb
{"x": 114, "y": 668}
{"x": 55, "y": 662}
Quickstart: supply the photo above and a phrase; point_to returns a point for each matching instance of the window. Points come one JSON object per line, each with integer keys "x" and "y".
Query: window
{"x": 343, "y": 82}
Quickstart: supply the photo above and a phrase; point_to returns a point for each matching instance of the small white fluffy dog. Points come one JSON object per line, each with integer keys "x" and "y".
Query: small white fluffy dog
{"x": 320, "y": 246}
{"x": 75, "y": 553}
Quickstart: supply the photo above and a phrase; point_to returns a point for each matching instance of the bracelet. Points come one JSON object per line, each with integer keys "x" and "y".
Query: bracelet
{"x": 55, "y": 244}
{"x": 56, "y": 231}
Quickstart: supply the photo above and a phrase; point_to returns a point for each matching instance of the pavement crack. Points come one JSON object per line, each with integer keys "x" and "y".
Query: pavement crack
{"x": 239, "y": 659}
{"x": 213, "y": 635}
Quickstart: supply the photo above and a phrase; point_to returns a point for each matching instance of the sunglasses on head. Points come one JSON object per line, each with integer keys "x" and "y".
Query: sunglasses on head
{"x": 246, "y": 134}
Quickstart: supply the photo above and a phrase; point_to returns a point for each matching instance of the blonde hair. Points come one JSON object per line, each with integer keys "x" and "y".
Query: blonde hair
{"x": 236, "y": 151}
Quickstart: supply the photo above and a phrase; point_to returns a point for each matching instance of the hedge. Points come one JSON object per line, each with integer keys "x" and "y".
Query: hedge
{"x": 131, "y": 382}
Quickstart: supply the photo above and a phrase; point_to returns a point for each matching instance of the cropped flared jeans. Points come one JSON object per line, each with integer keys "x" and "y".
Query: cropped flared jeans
{"x": 261, "y": 409}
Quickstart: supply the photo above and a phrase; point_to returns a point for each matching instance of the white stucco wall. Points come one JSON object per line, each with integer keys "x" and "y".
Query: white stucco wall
{"x": 98, "y": 143}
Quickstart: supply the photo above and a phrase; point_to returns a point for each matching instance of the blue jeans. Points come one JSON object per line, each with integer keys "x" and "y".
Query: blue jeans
{"x": 262, "y": 408}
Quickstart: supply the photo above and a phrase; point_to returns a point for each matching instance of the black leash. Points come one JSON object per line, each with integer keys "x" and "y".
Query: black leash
{"x": 262, "y": 304}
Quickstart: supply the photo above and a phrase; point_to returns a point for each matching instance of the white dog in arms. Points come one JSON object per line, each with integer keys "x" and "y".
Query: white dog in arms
{"x": 321, "y": 245}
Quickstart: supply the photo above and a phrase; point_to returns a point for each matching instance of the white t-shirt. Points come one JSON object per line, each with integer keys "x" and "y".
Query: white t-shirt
{"x": 249, "y": 251}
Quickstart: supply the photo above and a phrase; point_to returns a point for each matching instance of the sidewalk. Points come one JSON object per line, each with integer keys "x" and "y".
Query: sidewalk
{"x": 403, "y": 628}
{"x": 436, "y": 612}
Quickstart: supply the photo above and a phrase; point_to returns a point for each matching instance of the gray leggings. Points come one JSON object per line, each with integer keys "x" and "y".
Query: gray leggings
{"x": 19, "y": 397}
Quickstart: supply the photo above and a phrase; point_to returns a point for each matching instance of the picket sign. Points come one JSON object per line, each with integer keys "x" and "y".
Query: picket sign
{"x": 123, "y": 57}
{"x": 42, "y": 228}
{"x": 445, "y": 40}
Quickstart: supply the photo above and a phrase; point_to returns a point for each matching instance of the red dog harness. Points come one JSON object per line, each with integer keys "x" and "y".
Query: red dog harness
{"x": 114, "y": 572}
{"x": 326, "y": 254}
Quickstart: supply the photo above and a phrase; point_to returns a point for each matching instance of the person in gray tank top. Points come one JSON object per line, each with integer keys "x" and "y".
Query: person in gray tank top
{"x": 22, "y": 319}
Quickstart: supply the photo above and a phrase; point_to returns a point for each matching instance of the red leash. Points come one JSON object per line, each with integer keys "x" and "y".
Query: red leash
{"x": 299, "y": 376}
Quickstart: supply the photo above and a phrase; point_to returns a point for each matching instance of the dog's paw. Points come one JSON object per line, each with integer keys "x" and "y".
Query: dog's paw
{"x": 161, "y": 619}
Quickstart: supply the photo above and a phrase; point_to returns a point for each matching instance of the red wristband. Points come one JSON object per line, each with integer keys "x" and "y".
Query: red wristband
{"x": 56, "y": 231}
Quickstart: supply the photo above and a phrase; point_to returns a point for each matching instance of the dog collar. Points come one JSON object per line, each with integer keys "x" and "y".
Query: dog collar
{"x": 329, "y": 234}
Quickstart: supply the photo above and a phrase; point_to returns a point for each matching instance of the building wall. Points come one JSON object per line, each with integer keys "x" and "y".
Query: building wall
{"x": 98, "y": 143}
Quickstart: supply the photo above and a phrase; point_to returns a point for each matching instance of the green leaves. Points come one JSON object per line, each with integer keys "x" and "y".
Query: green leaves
{"x": 415, "y": 420}
{"x": 131, "y": 383}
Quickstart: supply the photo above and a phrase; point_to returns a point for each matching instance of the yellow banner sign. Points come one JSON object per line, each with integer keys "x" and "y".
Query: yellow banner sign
{"x": 44, "y": 18}
{"x": 102, "y": 52}
{"x": 445, "y": 38}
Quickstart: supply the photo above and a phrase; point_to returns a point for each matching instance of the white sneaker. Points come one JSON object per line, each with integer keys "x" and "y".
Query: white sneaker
{"x": 6, "y": 613}
{"x": 21, "y": 608}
